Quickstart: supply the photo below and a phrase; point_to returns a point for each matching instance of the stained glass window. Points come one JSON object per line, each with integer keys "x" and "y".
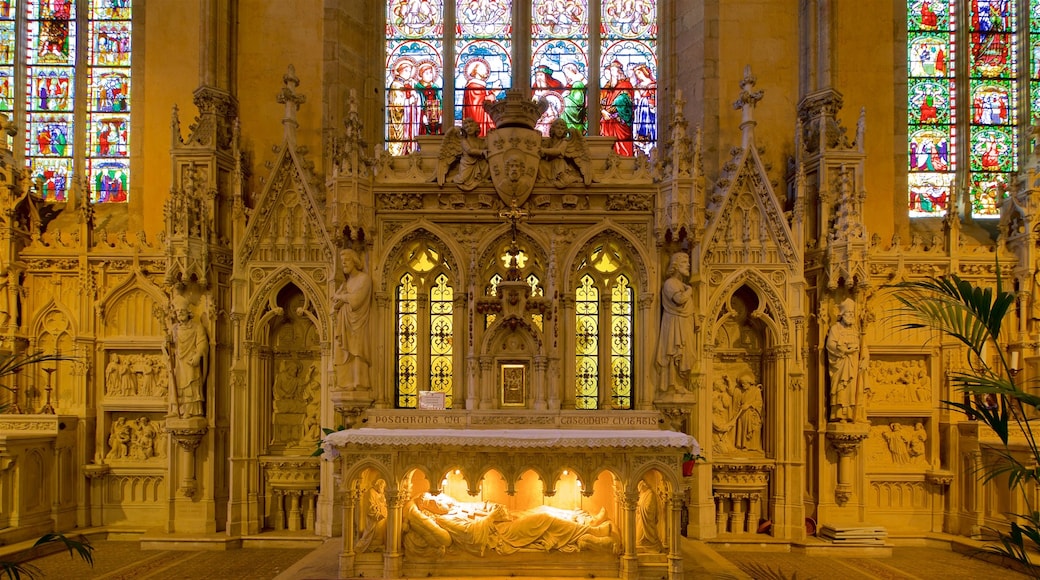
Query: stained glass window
{"x": 932, "y": 126}
{"x": 605, "y": 331}
{"x": 478, "y": 50}
{"x": 425, "y": 331}
{"x": 108, "y": 103}
{"x": 586, "y": 309}
{"x": 52, "y": 38}
{"x": 483, "y": 66}
{"x": 407, "y": 343}
{"x": 628, "y": 81}
{"x": 993, "y": 89}
{"x": 441, "y": 337}
{"x": 560, "y": 63}
{"x": 414, "y": 72}
{"x": 50, "y": 79}
{"x": 622, "y": 306}
{"x": 984, "y": 107}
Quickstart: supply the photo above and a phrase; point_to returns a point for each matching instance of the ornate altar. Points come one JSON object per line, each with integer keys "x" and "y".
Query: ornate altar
{"x": 475, "y": 501}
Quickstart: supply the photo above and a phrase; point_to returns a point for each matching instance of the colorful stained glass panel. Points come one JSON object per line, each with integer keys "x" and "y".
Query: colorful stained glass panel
{"x": 628, "y": 95}
{"x": 586, "y": 307}
{"x": 413, "y": 94}
{"x": 110, "y": 180}
{"x": 414, "y": 18}
{"x": 559, "y": 76}
{"x": 560, "y": 19}
{"x": 629, "y": 18}
{"x": 483, "y": 73}
{"x": 928, "y": 14}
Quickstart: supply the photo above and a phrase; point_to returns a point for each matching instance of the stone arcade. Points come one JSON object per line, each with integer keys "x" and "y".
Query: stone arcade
{"x": 518, "y": 329}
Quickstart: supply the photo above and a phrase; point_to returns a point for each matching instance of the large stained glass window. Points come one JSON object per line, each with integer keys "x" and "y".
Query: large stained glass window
{"x": 628, "y": 81}
{"x": 483, "y": 65}
{"x": 984, "y": 107}
{"x": 560, "y": 64}
{"x": 108, "y": 103}
{"x": 58, "y": 121}
{"x": 932, "y": 121}
{"x": 478, "y": 51}
{"x": 414, "y": 72}
{"x": 425, "y": 326}
{"x": 50, "y": 79}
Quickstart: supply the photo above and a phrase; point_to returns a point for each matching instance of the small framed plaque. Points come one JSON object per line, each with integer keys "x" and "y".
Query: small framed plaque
{"x": 514, "y": 385}
{"x": 432, "y": 400}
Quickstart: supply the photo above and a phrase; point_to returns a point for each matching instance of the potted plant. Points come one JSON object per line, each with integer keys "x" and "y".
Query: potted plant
{"x": 973, "y": 316}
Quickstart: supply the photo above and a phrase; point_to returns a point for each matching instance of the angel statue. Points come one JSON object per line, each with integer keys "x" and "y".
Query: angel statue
{"x": 565, "y": 156}
{"x": 465, "y": 145}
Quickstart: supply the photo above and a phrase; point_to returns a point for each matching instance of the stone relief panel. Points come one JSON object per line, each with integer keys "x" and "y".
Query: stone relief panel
{"x": 737, "y": 413}
{"x": 897, "y": 444}
{"x": 137, "y": 375}
{"x": 898, "y": 383}
{"x": 296, "y": 376}
{"x": 140, "y": 439}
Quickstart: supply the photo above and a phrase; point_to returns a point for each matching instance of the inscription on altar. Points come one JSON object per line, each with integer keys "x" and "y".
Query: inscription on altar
{"x": 416, "y": 420}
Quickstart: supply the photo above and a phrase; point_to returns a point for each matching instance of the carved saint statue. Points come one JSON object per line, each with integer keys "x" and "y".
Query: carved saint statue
{"x": 647, "y": 535}
{"x": 675, "y": 347}
{"x": 351, "y": 304}
{"x": 374, "y": 534}
{"x": 843, "y": 362}
{"x": 192, "y": 349}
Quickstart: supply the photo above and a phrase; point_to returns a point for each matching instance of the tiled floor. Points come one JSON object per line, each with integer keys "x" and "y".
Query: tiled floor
{"x": 124, "y": 560}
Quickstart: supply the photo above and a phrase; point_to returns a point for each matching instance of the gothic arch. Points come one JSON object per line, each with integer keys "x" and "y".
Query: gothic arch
{"x": 133, "y": 282}
{"x": 502, "y": 328}
{"x": 36, "y": 326}
{"x": 436, "y": 236}
{"x": 771, "y": 309}
{"x": 490, "y": 242}
{"x": 263, "y": 303}
{"x": 608, "y": 230}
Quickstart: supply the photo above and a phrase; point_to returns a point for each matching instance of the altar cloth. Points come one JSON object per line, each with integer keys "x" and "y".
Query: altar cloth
{"x": 510, "y": 439}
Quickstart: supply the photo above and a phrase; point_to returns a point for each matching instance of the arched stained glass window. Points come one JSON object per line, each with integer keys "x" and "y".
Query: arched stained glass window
{"x": 604, "y": 331}
{"x": 441, "y": 337}
{"x": 628, "y": 82}
{"x": 425, "y": 333}
{"x": 984, "y": 106}
{"x": 479, "y": 51}
{"x": 483, "y": 62}
{"x": 407, "y": 343}
{"x": 51, "y": 97}
{"x": 622, "y": 358}
{"x": 414, "y": 72}
{"x": 560, "y": 63}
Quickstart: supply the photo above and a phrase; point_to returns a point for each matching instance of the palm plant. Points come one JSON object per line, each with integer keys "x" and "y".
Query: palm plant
{"x": 973, "y": 316}
{"x": 21, "y": 568}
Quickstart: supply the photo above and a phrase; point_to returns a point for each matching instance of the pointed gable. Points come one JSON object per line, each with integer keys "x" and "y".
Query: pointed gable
{"x": 746, "y": 222}
{"x": 286, "y": 225}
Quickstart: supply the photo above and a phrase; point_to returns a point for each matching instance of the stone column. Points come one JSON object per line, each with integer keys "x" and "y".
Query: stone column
{"x": 393, "y": 556}
{"x": 541, "y": 365}
{"x": 674, "y": 539}
{"x": 294, "y": 509}
{"x": 721, "y": 514}
{"x": 629, "y": 561}
{"x": 487, "y": 384}
{"x": 846, "y": 439}
{"x": 346, "y": 556}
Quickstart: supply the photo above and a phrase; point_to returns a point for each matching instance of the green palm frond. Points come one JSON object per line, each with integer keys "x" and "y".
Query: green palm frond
{"x": 12, "y": 363}
{"x": 955, "y": 307}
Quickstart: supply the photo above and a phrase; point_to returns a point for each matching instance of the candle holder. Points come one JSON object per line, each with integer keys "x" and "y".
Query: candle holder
{"x": 47, "y": 409}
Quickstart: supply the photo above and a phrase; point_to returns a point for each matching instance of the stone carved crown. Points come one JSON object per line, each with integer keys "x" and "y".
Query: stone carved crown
{"x": 516, "y": 110}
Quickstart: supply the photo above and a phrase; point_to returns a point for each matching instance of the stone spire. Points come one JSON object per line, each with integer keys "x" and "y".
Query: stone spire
{"x": 292, "y": 101}
{"x": 746, "y": 103}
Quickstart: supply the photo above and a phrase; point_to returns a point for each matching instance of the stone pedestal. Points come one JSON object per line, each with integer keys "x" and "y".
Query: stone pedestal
{"x": 189, "y": 512}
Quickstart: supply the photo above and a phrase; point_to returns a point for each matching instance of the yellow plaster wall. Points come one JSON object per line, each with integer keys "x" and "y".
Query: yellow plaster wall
{"x": 869, "y": 70}
{"x": 763, "y": 34}
{"x": 273, "y": 35}
{"x": 169, "y": 75}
